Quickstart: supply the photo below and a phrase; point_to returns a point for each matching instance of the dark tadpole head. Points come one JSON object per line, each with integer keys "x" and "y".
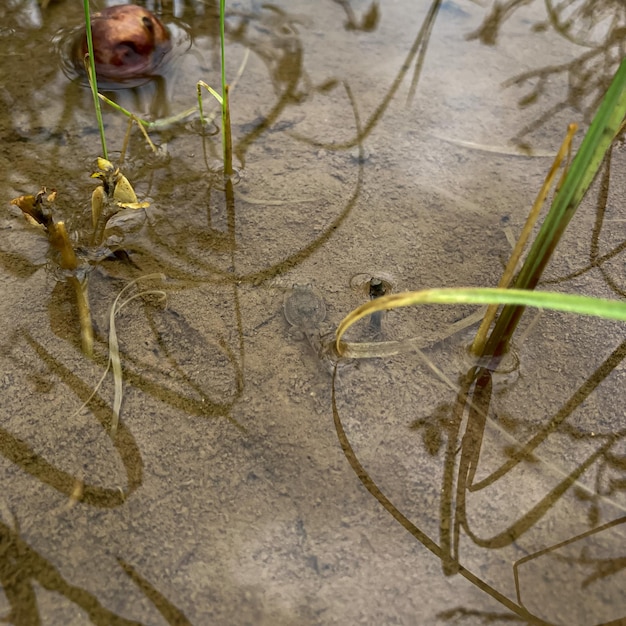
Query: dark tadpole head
{"x": 377, "y": 287}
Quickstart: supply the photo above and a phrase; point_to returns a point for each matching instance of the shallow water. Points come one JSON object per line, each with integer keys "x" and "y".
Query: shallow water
{"x": 233, "y": 492}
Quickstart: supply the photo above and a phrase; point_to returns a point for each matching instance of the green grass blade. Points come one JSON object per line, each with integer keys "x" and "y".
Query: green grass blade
{"x": 222, "y": 37}
{"x": 582, "y": 305}
{"x": 226, "y": 136}
{"x": 93, "y": 82}
{"x": 161, "y": 123}
{"x": 583, "y": 170}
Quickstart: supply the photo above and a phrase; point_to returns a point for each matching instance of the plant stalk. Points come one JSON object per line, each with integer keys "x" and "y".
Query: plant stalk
{"x": 60, "y": 241}
{"x": 586, "y": 163}
{"x": 93, "y": 81}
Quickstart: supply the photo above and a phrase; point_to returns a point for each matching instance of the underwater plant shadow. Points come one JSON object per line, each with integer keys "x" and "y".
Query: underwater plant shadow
{"x": 461, "y": 459}
{"x": 597, "y": 26}
{"x": 22, "y": 566}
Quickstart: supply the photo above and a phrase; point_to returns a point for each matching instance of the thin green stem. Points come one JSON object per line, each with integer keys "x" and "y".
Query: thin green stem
{"x": 226, "y": 139}
{"x": 93, "y": 81}
{"x": 222, "y": 37}
{"x": 157, "y": 124}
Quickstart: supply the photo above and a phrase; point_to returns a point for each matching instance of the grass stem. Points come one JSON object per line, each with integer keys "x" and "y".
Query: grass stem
{"x": 585, "y": 165}
{"x": 481, "y": 336}
{"x": 59, "y": 239}
{"x": 227, "y": 138}
{"x": 93, "y": 81}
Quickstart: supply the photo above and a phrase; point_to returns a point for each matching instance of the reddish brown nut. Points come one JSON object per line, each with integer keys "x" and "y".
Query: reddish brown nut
{"x": 128, "y": 41}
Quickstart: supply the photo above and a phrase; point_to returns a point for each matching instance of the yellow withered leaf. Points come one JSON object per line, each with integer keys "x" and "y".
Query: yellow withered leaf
{"x": 133, "y": 205}
{"x": 97, "y": 203}
{"x": 33, "y": 222}
{"x": 104, "y": 165}
{"x": 25, "y": 203}
{"x": 31, "y": 208}
{"x": 124, "y": 192}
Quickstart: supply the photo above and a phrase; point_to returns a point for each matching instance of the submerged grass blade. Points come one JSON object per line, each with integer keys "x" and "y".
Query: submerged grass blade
{"x": 583, "y": 170}
{"x": 114, "y": 350}
{"x": 227, "y": 143}
{"x": 81, "y": 289}
{"x": 93, "y": 82}
{"x": 583, "y": 305}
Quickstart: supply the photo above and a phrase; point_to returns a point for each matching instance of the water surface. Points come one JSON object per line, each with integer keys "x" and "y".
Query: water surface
{"x": 233, "y": 492}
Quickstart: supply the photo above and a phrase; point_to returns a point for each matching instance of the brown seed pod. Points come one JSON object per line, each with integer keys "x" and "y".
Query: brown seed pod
{"x": 129, "y": 42}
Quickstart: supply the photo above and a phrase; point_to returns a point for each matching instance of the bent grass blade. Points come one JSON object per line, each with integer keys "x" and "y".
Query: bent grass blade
{"x": 582, "y": 305}
{"x": 114, "y": 361}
